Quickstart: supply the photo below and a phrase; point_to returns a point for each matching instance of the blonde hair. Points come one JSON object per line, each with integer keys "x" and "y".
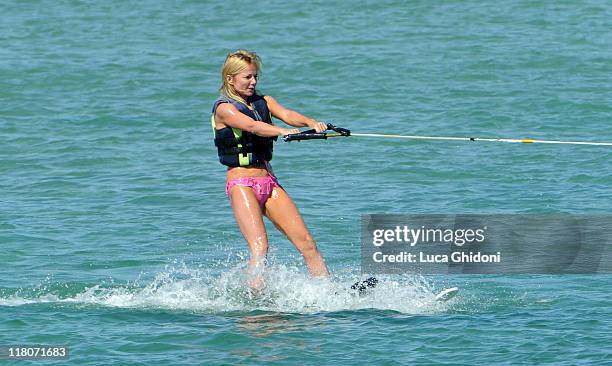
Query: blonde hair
{"x": 235, "y": 63}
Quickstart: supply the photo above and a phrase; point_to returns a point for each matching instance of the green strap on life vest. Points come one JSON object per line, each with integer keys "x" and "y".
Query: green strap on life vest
{"x": 243, "y": 159}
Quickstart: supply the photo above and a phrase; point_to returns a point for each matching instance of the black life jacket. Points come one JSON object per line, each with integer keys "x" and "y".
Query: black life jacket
{"x": 236, "y": 147}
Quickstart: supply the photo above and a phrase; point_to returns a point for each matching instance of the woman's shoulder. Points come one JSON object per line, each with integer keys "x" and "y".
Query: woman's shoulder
{"x": 269, "y": 99}
{"x": 223, "y": 107}
{"x": 223, "y": 102}
{"x": 261, "y": 98}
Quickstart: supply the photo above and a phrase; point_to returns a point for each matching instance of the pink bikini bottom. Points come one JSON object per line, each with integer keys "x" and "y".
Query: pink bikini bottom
{"x": 262, "y": 186}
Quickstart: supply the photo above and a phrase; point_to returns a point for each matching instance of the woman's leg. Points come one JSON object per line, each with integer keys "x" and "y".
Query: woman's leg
{"x": 249, "y": 217}
{"x": 281, "y": 210}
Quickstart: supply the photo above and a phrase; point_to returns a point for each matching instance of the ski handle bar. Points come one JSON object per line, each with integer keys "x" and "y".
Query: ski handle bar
{"x": 312, "y": 135}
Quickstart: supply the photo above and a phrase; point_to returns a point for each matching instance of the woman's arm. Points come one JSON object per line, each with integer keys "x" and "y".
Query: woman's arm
{"x": 228, "y": 115}
{"x": 292, "y": 118}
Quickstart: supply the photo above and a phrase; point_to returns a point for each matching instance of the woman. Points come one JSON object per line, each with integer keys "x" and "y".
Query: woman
{"x": 244, "y": 135}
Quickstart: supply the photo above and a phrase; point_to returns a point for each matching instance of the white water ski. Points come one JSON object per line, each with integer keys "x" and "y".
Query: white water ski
{"x": 362, "y": 286}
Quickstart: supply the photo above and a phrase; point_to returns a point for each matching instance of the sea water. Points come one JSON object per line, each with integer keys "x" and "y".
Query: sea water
{"x": 117, "y": 239}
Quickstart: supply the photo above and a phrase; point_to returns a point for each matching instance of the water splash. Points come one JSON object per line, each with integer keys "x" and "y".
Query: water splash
{"x": 288, "y": 289}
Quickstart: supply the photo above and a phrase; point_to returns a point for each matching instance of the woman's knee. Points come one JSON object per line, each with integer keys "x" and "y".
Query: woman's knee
{"x": 307, "y": 246}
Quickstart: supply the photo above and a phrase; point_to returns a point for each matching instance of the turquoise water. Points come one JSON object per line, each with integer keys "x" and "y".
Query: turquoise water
{"x": 116, "y": 235}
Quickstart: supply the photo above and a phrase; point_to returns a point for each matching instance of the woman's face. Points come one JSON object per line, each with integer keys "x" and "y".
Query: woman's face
{"x": 244, "y": 83}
